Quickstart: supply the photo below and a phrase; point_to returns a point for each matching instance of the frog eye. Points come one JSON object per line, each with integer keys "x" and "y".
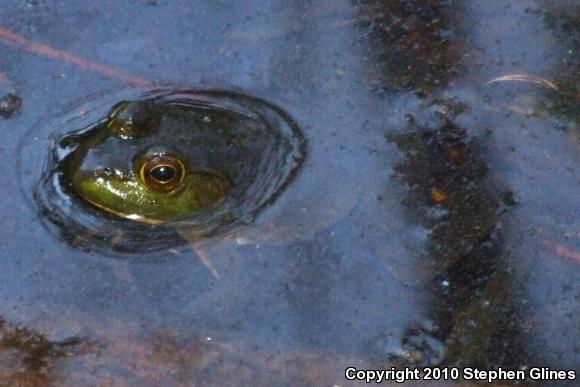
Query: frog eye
{"x": 162, "y": 173}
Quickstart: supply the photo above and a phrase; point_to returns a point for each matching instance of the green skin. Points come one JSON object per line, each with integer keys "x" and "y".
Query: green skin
{"x": 124, "y": 194}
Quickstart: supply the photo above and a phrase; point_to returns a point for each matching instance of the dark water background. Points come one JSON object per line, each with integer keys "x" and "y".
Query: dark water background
{"x": 436, "y": 220}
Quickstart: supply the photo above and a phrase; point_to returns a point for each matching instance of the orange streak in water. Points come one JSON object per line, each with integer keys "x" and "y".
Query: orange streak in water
{"x": 85, "y": 64}
{"x": 3, "y": 77}
{"x": 562, "y": 251}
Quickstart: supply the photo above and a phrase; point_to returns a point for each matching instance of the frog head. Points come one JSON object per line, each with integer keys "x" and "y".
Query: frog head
{"x": 136, "y": 167}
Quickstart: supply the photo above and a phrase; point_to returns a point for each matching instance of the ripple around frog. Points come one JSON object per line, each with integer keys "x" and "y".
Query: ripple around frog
{"x": 282, "y": 148}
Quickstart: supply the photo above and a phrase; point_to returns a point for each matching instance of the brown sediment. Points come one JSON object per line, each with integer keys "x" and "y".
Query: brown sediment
{"x": 85, "y": 64}
{"x": 452, "y": 193}
{"x": 412, "y": 44}
{"x": 30, "y": 358}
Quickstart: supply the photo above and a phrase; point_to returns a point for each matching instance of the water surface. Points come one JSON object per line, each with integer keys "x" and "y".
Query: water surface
{"x": 434, "y": 222}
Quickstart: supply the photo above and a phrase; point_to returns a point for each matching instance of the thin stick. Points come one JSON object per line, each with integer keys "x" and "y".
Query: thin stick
{"x": 205, "y": 259}
{"x": 525, "y": 78}
{"x": 85, "y": 64}
{"x": 562, "y": 251}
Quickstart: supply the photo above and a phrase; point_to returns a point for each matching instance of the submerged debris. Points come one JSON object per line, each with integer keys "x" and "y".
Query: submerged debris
{"x": 8, "y": 105}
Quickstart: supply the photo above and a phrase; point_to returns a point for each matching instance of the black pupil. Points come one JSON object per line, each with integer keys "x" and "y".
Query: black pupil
{"x": 163, "y": 173}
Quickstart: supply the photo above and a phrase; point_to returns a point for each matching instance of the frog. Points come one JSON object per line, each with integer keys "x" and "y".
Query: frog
{"x": 163, "y": 169}
{"x": 130, "y": 168}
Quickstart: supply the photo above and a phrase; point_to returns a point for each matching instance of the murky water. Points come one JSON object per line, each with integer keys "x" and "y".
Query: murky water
{"x": 435, "y": 221}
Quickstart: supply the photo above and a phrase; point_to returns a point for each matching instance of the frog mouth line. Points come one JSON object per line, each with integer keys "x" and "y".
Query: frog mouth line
{"x": 132, "y": 216}
{"x": 135, "y": 217}
{"x": 220, "y": 182}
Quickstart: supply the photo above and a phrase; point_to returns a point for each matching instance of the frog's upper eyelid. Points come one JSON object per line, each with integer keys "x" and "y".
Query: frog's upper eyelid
{"x": 154, "y": 151}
